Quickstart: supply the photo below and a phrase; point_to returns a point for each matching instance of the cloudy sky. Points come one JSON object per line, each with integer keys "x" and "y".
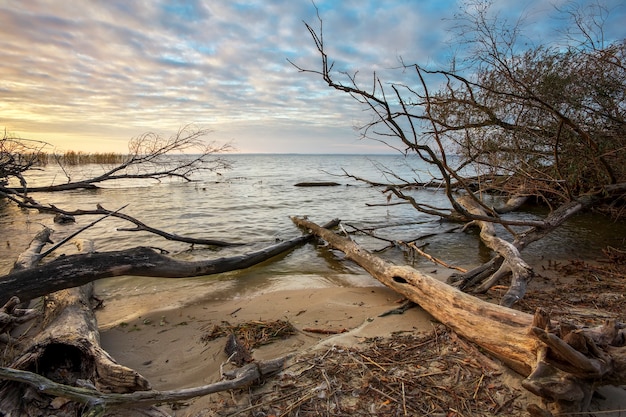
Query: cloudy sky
{"x": 89, "y": 75}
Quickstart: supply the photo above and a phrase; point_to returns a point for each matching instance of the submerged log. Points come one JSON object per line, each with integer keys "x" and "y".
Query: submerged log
{"x": 575, "y": 361}
{"x": 318, "y": 184}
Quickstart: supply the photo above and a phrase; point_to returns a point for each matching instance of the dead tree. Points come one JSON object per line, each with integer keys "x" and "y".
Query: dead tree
{"x": 562, "y": 364}
{"x": 149, "y": 158}
{"x": 63, "y": 369}
{"x": 530, "y": 126}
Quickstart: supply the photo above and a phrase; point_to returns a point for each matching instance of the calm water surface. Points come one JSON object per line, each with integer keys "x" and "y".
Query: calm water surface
{"x": 251, "y": 204}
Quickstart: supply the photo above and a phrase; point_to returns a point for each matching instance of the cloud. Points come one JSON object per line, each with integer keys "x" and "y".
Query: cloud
{"x": 107, "y": 71}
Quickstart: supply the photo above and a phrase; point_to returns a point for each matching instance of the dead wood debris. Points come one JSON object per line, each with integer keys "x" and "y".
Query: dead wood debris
{"x": 587, "y": 293}
{"x": 430, "y": 374}
{"x": 615, "y": 255}
{"x": 252, "y": 333}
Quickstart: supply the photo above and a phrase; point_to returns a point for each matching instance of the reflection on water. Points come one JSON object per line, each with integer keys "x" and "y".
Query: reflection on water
{"x": 252, "y": 204}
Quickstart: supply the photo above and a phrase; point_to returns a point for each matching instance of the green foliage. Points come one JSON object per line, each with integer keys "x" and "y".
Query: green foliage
{"x": 554, "y": 120}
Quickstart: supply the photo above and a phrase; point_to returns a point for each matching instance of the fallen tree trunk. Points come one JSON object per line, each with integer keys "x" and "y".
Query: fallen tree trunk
{"x": 75, "y": 270}
{"x": 488, "y": 274}
{"x": 66, "y": 349}
{"x": 562, "y": 364}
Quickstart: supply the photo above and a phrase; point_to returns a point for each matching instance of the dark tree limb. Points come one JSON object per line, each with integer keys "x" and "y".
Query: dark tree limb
{"x": 140, "y": 226}
{"x": 67, "y": 349}
{"x": 75, "y": 270}
{"x": 65, "y": 358}
{"x": 76, "y": 233}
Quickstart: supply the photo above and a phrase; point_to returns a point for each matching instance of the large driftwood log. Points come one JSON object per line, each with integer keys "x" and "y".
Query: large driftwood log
{"x": 75, "y": 270}
{"x": 562, "y": 364}
{"x": 66, "y": 349}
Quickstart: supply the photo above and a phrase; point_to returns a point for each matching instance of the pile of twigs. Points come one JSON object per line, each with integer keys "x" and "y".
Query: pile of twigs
{"x": 433, "y": 374}
{"x": 615, "y": 255}
{"x": 252, "y": 333}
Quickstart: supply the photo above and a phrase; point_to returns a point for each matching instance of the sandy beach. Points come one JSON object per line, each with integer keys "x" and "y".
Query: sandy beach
{"x": 166, "y": 347}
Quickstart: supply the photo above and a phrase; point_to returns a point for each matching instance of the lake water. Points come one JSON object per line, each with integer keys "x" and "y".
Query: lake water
{"x": 252, "y": 204}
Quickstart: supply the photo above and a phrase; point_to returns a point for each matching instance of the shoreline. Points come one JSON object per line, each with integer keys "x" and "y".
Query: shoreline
{"x": 166, "y": 346}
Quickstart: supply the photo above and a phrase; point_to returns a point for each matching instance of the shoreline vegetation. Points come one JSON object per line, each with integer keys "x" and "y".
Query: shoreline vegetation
{"x": 76, "y": 158}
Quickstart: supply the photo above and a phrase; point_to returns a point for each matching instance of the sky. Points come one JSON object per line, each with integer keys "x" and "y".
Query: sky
{"x": 89, "y": 75}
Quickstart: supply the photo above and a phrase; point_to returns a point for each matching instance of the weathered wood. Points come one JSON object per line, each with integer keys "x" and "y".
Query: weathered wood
{"x": 501, "y": 331}
{"x": 12, "y": 316}
{"x": 75, "y": 270}
{"x": 488, "y": 274}
{"x": 66, "y": 349}
{"x": 521, "y": 272}
{"x": 65, "y": 358}
{"x": 236, "y": 379}
{"x": 32, "y": 254}
{"x": 413, "y": 247}
{"x": 527, "y": 344}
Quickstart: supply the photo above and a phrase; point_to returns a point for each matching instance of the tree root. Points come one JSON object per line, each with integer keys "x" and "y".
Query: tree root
{"x": 12, "y": 316}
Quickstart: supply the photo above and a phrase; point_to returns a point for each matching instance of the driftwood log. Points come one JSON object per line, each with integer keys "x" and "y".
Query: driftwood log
{"x": 75, "y": 270}
{"x": 94, "y": 402}
{"x": 562, "y": 364}
{"x": 66, "y": 349}
{"x": 487, "y": 274}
